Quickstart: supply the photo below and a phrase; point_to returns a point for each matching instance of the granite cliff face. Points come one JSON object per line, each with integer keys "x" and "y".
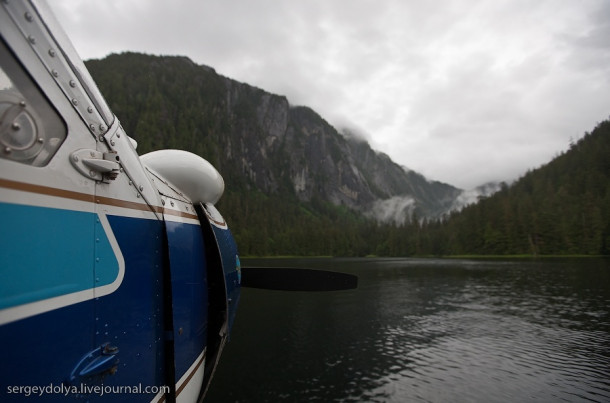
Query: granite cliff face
{"x": 258, "y": 140}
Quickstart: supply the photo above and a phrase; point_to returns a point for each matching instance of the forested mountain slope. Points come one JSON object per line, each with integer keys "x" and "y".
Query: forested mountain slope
{"x": 256, "y": 140}
{"x": 297, "y": 186}
{"x": 562, "y": 207}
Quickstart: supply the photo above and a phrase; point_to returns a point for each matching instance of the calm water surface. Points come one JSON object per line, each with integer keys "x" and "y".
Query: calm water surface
{"x": 426, "y": 330}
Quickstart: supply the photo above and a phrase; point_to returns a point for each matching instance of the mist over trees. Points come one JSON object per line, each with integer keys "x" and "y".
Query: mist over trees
{"x": 560, "y": 208}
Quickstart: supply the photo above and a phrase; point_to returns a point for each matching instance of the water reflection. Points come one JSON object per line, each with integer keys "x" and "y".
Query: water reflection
{"x": 427, "y": 330}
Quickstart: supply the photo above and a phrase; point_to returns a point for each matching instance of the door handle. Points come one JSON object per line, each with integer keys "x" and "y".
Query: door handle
{"x": 102, "y": 361}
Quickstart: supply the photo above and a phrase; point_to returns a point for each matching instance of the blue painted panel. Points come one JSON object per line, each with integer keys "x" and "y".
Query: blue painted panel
{"x": 48, "y": 252}
{"x": 189, "y": 292}
{"x": 44, "y": 349}
{"x": 131, "y": 318}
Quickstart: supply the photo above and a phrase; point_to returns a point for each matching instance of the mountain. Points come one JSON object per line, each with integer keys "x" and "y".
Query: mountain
{"x": 257, "y": 140}
{"x": 295, "y": 185}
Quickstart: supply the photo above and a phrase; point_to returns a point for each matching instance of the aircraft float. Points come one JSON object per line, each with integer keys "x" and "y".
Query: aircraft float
{"x": 119, "y": 278}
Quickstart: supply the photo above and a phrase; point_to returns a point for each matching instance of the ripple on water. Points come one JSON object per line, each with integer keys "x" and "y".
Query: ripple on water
{"x": 437, "y": 333}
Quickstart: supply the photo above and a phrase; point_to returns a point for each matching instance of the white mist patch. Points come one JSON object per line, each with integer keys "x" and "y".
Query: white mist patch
{"x": 395, "y": 209}
{"x": 351, "y": 132}
{"x": 472, "y": 196}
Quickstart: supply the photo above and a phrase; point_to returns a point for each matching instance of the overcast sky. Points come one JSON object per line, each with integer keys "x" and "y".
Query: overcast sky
{"x": 461, "y": 91}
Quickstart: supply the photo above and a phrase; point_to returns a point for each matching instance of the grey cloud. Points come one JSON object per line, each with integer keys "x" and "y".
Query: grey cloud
{"x": 462, "y": 91}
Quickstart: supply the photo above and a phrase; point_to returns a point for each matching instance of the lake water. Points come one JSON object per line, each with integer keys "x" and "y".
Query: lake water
{"x": 425, "y": 330}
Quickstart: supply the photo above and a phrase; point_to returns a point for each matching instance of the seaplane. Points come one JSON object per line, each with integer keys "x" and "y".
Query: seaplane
{"x": 119, "y": 278}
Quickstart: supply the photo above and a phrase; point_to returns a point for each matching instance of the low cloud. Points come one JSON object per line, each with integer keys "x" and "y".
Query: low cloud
{"x": 350, "y": 132}
{"x": 472, "y": 196}
{"x": 396, "y": 210}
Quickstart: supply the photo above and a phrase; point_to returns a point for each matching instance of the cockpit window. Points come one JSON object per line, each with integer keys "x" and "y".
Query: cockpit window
{"x": 31, "y": 130}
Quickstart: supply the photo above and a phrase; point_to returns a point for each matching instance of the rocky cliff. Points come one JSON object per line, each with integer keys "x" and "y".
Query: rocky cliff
{"x": 258, "y": 140}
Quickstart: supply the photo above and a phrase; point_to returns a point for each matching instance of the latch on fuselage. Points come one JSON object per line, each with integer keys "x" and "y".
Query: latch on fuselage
{"x": 95, "y": 164}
